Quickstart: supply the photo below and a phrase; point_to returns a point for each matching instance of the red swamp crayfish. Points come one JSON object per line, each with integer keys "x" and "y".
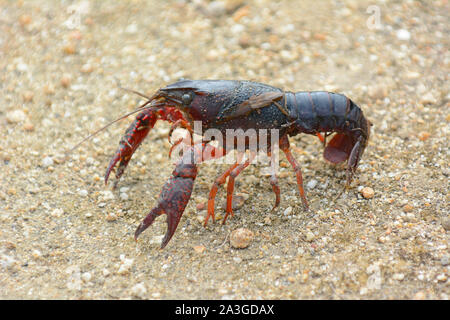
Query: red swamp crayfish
{"x": 229, "y": 104}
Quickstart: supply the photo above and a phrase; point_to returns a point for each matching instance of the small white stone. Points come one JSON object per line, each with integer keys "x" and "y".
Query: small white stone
{"x": 158, "y": 239}
{"x": 83, "y": 192}
{"x": 47, "y": 162}
{"x": 398, "y": 276}
{"x": 106, "y": 272}
{"x": 442, "y": 277}
{"x": 132, "y": 28}
{"x": 124, "y": 196}
{"x": 216, "y": 8}
{"x": 6, "y": 261}
{"x": 22, "y": 67}
{"x": 312, "y": 184}
{"x": 403, "y": 34}
{"x": 86, "y": 276}
{"x": 36, "y": 254}
{"x": 107, "y": 195}
{"x": 15, "y": 116}
{"x": 237, "y": 28}
{"x": 58, "y": 212}
{"x": 139, "y": 290}
{"x": 237, "y": 259}
{"x": 125, "y": 266}
{"x": 288, "y": 211}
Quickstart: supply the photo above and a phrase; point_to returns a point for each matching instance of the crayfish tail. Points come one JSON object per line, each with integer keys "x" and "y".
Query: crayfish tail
{"x": 338, "y": 149}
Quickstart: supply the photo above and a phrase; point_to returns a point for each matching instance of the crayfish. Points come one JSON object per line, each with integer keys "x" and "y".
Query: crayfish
{"x": 225, "y": 104}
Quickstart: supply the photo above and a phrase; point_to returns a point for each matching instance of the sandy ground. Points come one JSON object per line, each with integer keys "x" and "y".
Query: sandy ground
{"x": 64, "y": 235}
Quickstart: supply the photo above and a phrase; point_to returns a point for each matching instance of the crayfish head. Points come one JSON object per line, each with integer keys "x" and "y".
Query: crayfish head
{"x": 180, "y": 94}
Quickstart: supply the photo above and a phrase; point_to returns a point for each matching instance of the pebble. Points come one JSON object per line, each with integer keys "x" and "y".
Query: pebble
{"x": 288, "y": 211}
{"x": 216, "y": 8}
{"x": 201, "y": 206}
{"x": 107, "y": 195}
{"x": 70, "y": 49}
{"x": 28, "y": 126}
{"x": 375, "y": 280}
{"x": 28, "y": 96}
{"x": 241, "y": 238}
{"x": 312, "y": 184}
{"x": 156, "y": 239}
{"x": 403, "y": 34}
{"x": 36, "y": 254}
{"x": 199, "y": 249}
{"x": 423, "y": 136}
{"x": 49, "y": 89}
{"x": 105, "y": 272}
{"x": 156, "y": 295}
{"x": 47, "y": 162}
{"x": 445, "y": 260}
{"x": 86, "y": 276}
{"x": 237, "y": 259}
{"x": 379, "y": 92}
{"x": 15, "y": 116}
{"x": 83, "y": 192}
{"x": 367, "y": 192}
{"x": 6, "y": 261}
{"x": 111, "y": 217}
{"x": 446, "y": 223}
{"x": 139, "y": 290}
{"x": 125, "y": 265}
{"x": 74, "y": 281}
{"x": 442, "y": 277}
{"x": 87, "y": 68}
{"x": 408, "y": 208}
{"x": 245, "y": 40}
{"x": 398, "y": 276}
{"x": 131, "y": 29}
{"x": 58, "y": 212}
{"x": 419, "y": 296}
{"x": 309, "y": 236}
{"x": 65, "y": 81}
{"x": 24, "y": 19}
{"x": 428, "y": 98}
{"x": 124, "y": 196}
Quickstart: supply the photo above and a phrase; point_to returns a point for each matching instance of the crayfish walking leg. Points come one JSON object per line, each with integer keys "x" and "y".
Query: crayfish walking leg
{"x": 284, "y": 145}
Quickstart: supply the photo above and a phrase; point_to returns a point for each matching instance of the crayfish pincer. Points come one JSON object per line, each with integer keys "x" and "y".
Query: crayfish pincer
{"x": 240, "y": 105}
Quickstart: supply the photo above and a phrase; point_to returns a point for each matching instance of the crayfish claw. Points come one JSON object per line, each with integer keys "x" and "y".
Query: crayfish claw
{"x": 111, "y": 166}
{"x": 148, "y": 221}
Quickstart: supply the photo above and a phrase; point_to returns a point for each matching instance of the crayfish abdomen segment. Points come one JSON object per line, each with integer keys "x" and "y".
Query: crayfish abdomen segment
{"x": 320, "y": 111}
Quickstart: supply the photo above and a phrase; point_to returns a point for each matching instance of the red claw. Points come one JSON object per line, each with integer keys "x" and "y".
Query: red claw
{"x": 174, "y": 197}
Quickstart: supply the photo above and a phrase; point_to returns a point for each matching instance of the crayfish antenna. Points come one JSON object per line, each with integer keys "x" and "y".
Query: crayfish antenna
{"x": 141, "y": 107}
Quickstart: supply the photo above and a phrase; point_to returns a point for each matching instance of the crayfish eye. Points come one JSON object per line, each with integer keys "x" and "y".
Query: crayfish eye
{"x": 186, "y": 98}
